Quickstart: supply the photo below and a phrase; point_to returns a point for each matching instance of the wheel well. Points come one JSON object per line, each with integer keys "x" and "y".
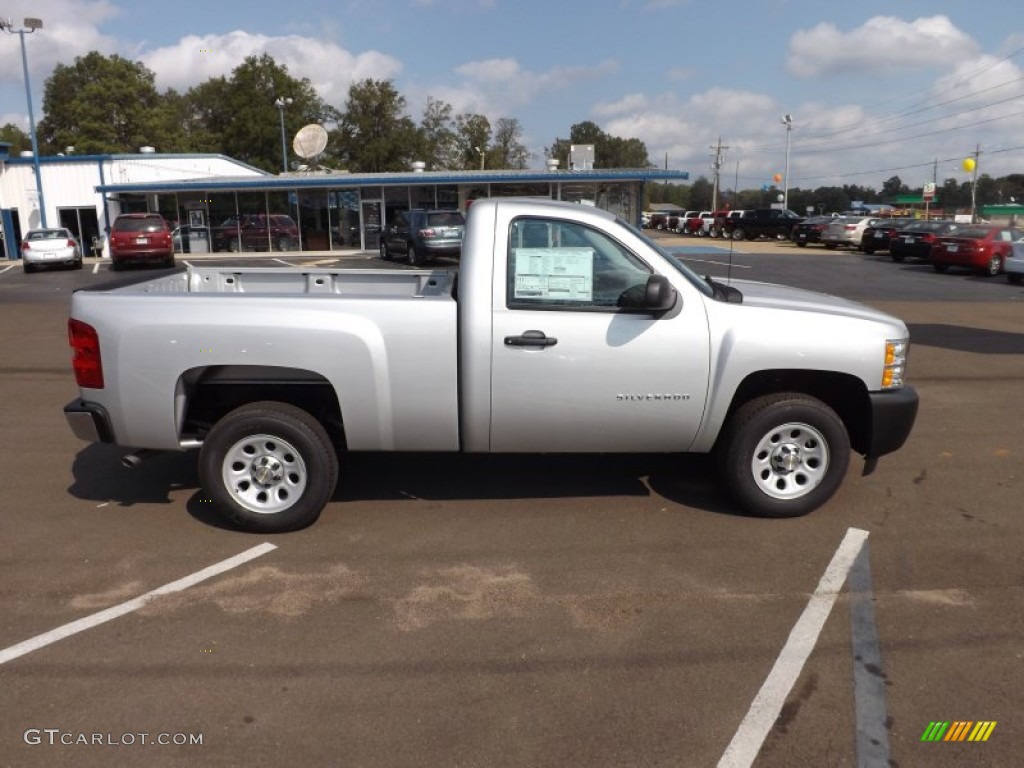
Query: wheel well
{"x": 211, "y": 393}
{"x": 844, "y": 394}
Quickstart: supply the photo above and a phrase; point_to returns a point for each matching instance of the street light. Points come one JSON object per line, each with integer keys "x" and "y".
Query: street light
{"x": 31, "y": 25}
{"x": 281, "y": 103}
{"x": 482, "y": 156}
{"x": 787, "y": 120}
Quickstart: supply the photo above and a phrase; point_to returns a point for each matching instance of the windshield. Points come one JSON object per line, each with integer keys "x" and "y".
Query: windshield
{"x": 673, "y": 261}
{"x": 48, "y": 234}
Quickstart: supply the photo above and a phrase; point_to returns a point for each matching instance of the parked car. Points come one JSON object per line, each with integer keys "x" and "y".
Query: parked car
{"x": 700, "y": 225}
{"x": 809, "y": 230}
{"x": 877, "y": 236}
{"x": 141, "y": 237}
{"x": 50, "y": 247}
{"x": 1014, "y": 263}
{"x": 256, "y": 232}
{"x": 762, "y": 222}
{"x": 980, "y": 248}
{"x": 420, "y": 234}
{"x": 657, "y": 221}
{"x": 684, "y": 222}
{"x": 716, "y": 225}
{"x": 846, "y": 230}
{"x": 916, "y": 240}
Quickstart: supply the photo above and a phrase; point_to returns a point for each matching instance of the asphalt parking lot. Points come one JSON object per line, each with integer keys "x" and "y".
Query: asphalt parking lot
{"x": 531, "y": 611}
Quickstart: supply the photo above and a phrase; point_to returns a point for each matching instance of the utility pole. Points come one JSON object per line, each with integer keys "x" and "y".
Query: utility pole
{"x": 716, "y": 166}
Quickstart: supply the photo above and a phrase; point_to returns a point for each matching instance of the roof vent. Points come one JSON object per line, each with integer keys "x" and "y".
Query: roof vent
{"x": 552, "y": 163}
{"x": 418, "y": 166}
{"x": 147, "y": 150}
{"x": 25, "y": 153}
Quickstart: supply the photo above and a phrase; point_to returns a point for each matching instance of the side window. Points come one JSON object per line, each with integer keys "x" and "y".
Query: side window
{"x": 556, "y": 264}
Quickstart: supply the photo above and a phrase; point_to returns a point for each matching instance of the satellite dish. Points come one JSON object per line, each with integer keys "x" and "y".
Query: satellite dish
{"x": 310, "y": 141}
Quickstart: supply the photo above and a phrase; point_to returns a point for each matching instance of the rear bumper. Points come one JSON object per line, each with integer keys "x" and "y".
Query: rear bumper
{"x": 892, "y": 417}
{"x": 89, "y": 421}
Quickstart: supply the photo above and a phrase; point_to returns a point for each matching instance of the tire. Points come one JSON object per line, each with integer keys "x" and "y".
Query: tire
{"x": 116, "y": 266}
{"x": 415, "y": 258}
{"x": 830, "y": 246}
{"x": 169, "y": 262}
{"x": 385, "y": 254}
{"x": 784, "y": 455}
{"x": 868, "y": 250}
{"x": 1014, "y": 277}
{"x": 28, "y": 268}
{"x": 285, "y": 243}
{"x": 738, "y": 233}
{"x": 77, "y": 264}
{"x": 994, "y": 266}
{"x": 899, "y": 258}
{"x": 801, "y": 244}
{"x": 234, "y": 246}
{"x": 268, "y": 467}
{"x": 940, "y": 268}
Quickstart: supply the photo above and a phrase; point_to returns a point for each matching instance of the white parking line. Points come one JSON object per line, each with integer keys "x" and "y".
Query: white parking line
{"x": 286, "y": 263}
{"x": 108, "y": 614}
{"x": 720, "y": 263}
{"x": 765, "y": 709}
{"x": 7, "y": 269}
{"x": 96, "y": 268}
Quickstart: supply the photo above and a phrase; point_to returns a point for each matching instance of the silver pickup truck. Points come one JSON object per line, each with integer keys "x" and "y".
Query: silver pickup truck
{"x": 564, "y": 330}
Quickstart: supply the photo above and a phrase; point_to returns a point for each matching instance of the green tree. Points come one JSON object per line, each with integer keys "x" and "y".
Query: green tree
{"x": 894, "y": 186}
{"x": 473, "y": 136}
{"x": 440, "y": 150}
{"x": 101, "y": 104}
{"x": 17, "y": 138}
{"x": 507, "y": 151}
{"x": 239, "y": 117}
{"x": 374, "y": 134}
{"x": 609, "y": 151}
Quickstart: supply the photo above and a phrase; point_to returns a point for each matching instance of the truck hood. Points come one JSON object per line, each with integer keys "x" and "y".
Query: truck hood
{"x": 771, "y": 296}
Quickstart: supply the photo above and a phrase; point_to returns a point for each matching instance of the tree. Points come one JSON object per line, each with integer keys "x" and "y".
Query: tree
{"x": 507, "y": 151}
{"x": 374, "y": 134}
{"x": 893, "y": 187}
{"x": 238, "y": 115}
{"x": 100, "y": 104}
{"x": 609, "y": 151}
{"x": 473, "y": 135}
{"x": 17, "y": 138}
{"x": 440, "y": 150}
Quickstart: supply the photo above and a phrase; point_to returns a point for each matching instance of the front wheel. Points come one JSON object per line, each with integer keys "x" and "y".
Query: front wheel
{"x": 268, "y": 467}
{"x": 385, "y": 254}
{"x": 784, "y": 455}
{"x": 738, "y": 234}
{"x": 994, "y": 266}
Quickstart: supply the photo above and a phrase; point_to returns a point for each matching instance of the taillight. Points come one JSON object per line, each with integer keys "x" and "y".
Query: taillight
{"x": 25, "y": 246}
{"x": 85, "y": 354}
{"x": 71, "y": 243}
{"x": 427, "y": 233}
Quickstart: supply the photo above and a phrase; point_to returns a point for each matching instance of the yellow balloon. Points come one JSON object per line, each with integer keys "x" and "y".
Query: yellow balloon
{"x": 969, "y": 164}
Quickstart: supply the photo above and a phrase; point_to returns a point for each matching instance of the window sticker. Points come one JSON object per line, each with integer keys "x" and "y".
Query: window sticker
{"x": 557, "y": 274}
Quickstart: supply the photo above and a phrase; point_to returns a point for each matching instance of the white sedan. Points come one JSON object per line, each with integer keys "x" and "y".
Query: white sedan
{"x": 46, "y": 247}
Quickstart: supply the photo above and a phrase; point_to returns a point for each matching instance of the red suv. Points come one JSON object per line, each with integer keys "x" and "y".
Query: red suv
{"x": 141, "y": 237}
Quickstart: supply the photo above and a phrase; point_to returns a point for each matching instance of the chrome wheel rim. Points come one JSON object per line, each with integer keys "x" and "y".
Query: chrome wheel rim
{"x": 264, "y": 473}
{"x": 790, "y": 461}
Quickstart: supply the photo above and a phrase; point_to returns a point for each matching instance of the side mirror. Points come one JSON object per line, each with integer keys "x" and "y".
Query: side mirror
{"x": 659, "y": 295}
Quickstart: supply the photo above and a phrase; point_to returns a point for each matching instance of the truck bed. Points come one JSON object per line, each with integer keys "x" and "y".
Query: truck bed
{"x": 354, "y": 283}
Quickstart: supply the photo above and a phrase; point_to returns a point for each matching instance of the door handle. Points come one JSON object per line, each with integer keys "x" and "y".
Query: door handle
{"x": 531, "y": 339}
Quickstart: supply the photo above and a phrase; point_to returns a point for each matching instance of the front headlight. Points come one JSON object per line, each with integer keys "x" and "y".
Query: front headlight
{"x": 895, "y": 363}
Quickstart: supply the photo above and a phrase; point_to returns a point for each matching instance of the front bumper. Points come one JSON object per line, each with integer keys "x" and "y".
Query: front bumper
{"x": 892, "y": 417}
{"x": 89, "y": 421}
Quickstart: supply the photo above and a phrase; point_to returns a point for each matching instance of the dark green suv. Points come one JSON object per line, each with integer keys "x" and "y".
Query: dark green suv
{"x": 420, "y": 234}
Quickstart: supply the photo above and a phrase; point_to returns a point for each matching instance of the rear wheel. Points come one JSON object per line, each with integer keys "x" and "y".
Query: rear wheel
{"x": 801, "y": 244}
{"x": 233, "y": 245}
{"x": 415, "y": 257}
{"x": 738, "y": 233}
{"x": 29, "y": 268}
{"x": 940, "y": 267}
{"x": 285, "y": 243}
{"x": 868, "y": 250}
{"x": 830, "y": 246}
{"x": 269, "y": 467}
{"x": 385, "y": 254}
{"x": 784, "y": 455}
{"x": 994, "y": 266}
{"x": 899, "y": 258}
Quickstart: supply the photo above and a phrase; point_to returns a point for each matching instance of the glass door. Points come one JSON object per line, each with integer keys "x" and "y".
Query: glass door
{"x": 372, "y": 219}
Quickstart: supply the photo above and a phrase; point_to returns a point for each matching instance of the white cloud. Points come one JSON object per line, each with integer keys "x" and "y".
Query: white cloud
{"x": 70, "y": 29}
{"x": 883, "y": 44}
{"x": 330, "y": 68}
{"x": 633, "y": 102}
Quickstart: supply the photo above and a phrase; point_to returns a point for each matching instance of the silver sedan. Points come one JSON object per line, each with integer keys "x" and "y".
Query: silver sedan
{"x": 46, "y": 247}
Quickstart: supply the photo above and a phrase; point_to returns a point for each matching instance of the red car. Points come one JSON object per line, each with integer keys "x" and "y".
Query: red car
{"x": 141, "y": 237}
{"x": 981, "y": 248}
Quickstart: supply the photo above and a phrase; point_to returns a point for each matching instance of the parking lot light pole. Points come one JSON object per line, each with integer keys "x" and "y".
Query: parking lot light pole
{"x": 787, "y": 120}
{"x": 31, "y": 25}
{"x": 281, "y": 103}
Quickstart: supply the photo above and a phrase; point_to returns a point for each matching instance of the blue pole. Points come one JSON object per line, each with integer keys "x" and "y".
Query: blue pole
{"x": 32, "y": 131}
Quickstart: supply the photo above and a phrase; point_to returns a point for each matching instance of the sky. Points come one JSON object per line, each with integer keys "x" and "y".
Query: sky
{"x": 906, "y": 88}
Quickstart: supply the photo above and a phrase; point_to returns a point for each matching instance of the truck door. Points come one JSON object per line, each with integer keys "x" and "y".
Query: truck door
{"x": 574, "y": 369}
